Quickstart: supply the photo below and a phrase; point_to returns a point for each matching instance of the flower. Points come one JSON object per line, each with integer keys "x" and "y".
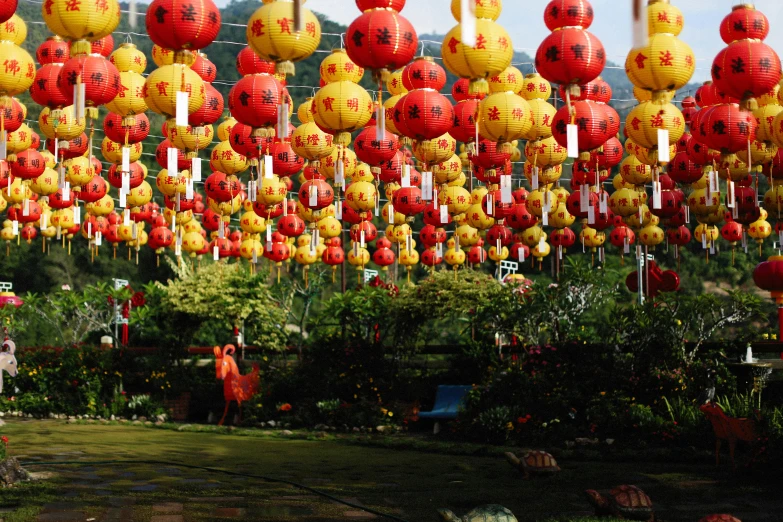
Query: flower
{"x": 285, "y": 407}
{"x": 4, "y": 440}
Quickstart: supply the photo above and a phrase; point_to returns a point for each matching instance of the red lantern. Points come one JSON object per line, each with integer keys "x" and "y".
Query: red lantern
{"x": 204, "y": 67}
{"x": 708, "y": 94}
{"x": 699, "y": 153}
{"x": 394, "y": 5}
{"x": 726, "y": 128}
{"x": 383, "y": 256}
{"x": 489, "y": 156}
{"x": 423, "y": 114}
{"x": 73, "y": 148}
{"x": 253, "y": 100}
{"x": 432, "y": 216}
{"x": 243, "y": 141}
{"x": 407, "y": 201}
{"x": 683, "y": 170}
{"x": 57, "y": 201}
{"x": 774, "y": 169}
{"x": 743, "y": 22}
{"x": 53, "y": 50}
{"x": 100, "y": 77}
{"x": 115, "y": 130}
{"x": 93, "y": 190}
{"x": 746, "y": 68}
{"x": 431, "y": 235}
{"x": 8, "y": 8}
{"x": 391, "y": 169}
{"x": 597, "y": 90}
{"x": 464, "y": 126}
{"x": 161, "y": 156}
{"x": 323, "y": 194}
{"x": 29, "y": 164}
{"x": 570, "y": 56}
{"x": 499, "y": 209}
{"x": 731, "y": 231}
{"x": 291, "y": 225}
{"x": 499, "y": 232}
{"x": 520, "y": 195}
{"x": 671, "y": 203}
{"x": 521, "y": 219}
{"x": 221, "y": 187}
{"x": 211, "y": 110}
{"x": 519, "y": 252}
{"x": 33, "y": 213}
{"x": 180, "y": 204}
{"x": 103, "y": 46}
{"x": 679, "y": 236}
{"x": 682, "y": 143}
{"x": 135, "y": 175}
{"x": 354, "y": 217}
{"x": 35, "y": 140}
{"x": 568, "y": 13}
{"x": 622, "y": 236}
{"x": 460, "y": 91}
{"x": 476, "y": 254}
{"x": 562, "y": 237}
{"x": 608, "y": 156}
{"x": 373, "y": 151}
{"x": 430, "y": 257}
{"x": 160, "y": 238}
{"x": 44, "y": 90}
{"x": 370, "y": 232}
{"x": 285, "y": 162}
{"x": 333, "y": 254}
{"x": 248, "y": 62}
{"x": 183, "y": 24}
{"x": 424, "y": 73}
{"x": 592, "y": 125}
{"x": 380, "y": 39}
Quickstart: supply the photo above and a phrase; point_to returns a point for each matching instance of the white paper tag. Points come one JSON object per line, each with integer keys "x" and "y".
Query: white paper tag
{"x": 215, "y": 253}
{"x": 89, "y": 229}
{"x": 439, "y": 250}
{"x": 268, "y": 166}
{"x": 182, "y": 109}
{"x": 468, "y": 24}
{"x": 4, "y": 145}
{"x": 66, "y": 191}
{"x": 355, "y": 249}
{"x": 221, "y": 229}
{"x": 268, "y": 234}
{"x": 542, "y": 244}
{"x": 98, "y": 238}
{"x": 255, "y": 256}
{"x": 663, "y": 145}
{"x": 339, "y": 173}
{"x": 534, "y": 179}
{"x": 195, "y": 169}
{"x": 687, "y": 214}
{"x": 405, "y": 182}
{"x": 490, "y": 204}
{"x": 77, "y": 215}
{"x": 282, "y": 120}
{"x": 584, "y": 198}
{"x": 505, "y": 189}
{"x": 426, "y": 186}
{"x": 125, "y": 159}
{"x": 56, "y": 150}
{"x": 656, "y": 194}
{"x": 408, "y": 243}
{"x": 338, "y": 210}
{"x": 603, "y": 205}
{"x": 380, "y": 123}
{"x": 171, "y": 161}
{"x": 15, "y": 227}
{"x": 521, "y": 254}
{"x": 126, "y": 220}
{"x": 78, "y": 101}
{"x": 545, "y": 218}
{"x": 626, "y": 246}
{"x": 313, "y": 193}
{"x": 44, "y": 221}
{"x": 444, "y": 214}
{"x": 572, "y": 140}
{"x": 189, "y": 189}
{"x": 730, "y": 193}
{"x": 361, "y": 238}
{"x": 173, "y": 223}
{"x": 390, "y": 214}
{"x": 252, "y": 190}
{"x": 26, "y": 207}
{"x": 704, "y": 241}
{"x": 639, "y": 26}
{"x": 591, "y": 215}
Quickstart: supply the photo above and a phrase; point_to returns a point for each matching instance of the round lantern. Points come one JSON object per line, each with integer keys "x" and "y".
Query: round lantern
{"x": 664, "y": 64}
{"x": 182, "y": 24}
{"x": 746, "y": 69}
{"x": 744, "y": 21}
{"x": 491, "y": 54}
{"x": 342, "y": 107}
{"x": 163, "y": 83}
{"x": 381, "y": 40}
{"x": 18, "y": 71}
{"x": 82, "y": 20}
{"x": 725, "y": 128}
{"x": 504, "y": 117}
{"x": 570, "y": 56}
{"x": 117, "y": 129}
{"x": 254, "y": 99}
{"x": 592, "y": 124}
{"x": 423, "y": 114}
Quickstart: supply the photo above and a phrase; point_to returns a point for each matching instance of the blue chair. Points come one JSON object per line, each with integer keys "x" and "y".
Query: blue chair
{"x": 448, "y": 400}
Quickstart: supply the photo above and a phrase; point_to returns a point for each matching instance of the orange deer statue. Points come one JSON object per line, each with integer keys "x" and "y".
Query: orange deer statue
{"x": 730, "y": 429}
{"x": 236, "y": 387}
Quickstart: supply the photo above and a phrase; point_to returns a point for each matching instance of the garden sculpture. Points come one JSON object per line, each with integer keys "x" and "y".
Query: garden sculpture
{"x": 720, "y": 518}
{"x": 628, "y": 502}
{"x": 708, "y": 394}
{"x": 730, "y": 429}
{"x": 533, "y": 462}
{"x": 7, "y": 360}
{"x": 487, "y": 513}
{"x": 236, "y": 387}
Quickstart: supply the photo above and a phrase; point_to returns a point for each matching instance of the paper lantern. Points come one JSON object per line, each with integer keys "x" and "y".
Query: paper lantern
{"x": 81, "y": 20}
{"x": 725, "y": 128}
{"x": 381, "y": 40}
{"x": 663, "y": 17}
{"x": 18, "y": 71}
{"x": 464, "y": 126}
{"x": 28, "y": 164}
{"x": 117, "y": 129}
{"x": 423, "y": 114}
{"x": 310, "y": 142}
{"x": 129, "y": 58}
{"x": 592, "y": 124}
{"x": 646, "y": 119}
{"x": 338, "y": 67}
{"x": 665, "y": 63}
{"x": 182, "y": 24}
{"x": 129, "y": 100}
{"x": 162, "y": 85}
{"x": 570, "y": 56}
{"x": 341, "y": 108}
{"x": 744, "y": 21}
{"x": 53, "y": 50}
{"x": 746, "y": 69}
{"x": 568, "y": 13}
{"x": 7, "y": 9}
{"x": 491, "y": 54}
{"x": 504, "y": 117}
{"x": 254, "y": 100}
{"x": 271, "y": 34}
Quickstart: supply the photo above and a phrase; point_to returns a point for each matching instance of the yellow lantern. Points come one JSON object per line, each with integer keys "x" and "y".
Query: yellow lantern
{"x": 504, "y": 117}
{"x": 46, "y": 184}
{"x": 338, "y": 67}
{"x": 478, "y": 219}
{"x": 225, "y": 208}
{"x": 19, "y": 140}
{"x": 329, "y": 163}
{"x": 496, "y": 256}
{"x": 546, "y": 175}
{"x": 436, "y": 150}
{"x": 545, "y": 152}
{"x": 362, "y": 172}
{"x": 510, "y": 80}
{"x": 252, "y": 223}
{"x": 130, "y": 98}
{"x": 140, "y": 195}
{"x": 491, "y": 54}
{"x": 162, "y": 85}
{"x": 112, "y": 151}
{"x": 271, "y": 190}
{"x": 591, "y": 238}
{"x": 452, "y": 256}
{"x": 535, "y": 87}
{"x": 193, "y": 242}
{"x": 388, "y": 107}
{"x": 642, "y": 217}
{"x": 329, "y": 227}
{"x": 61, "y": 125}
{"x": 468, "y": 235}
{"x": 662, "y": 17}
{"x": 189, "y": 138}
{"x": 342, "y": 107}
{"x": 13, "y": 30}
{"x": 399, "y": 218}
{"x": 102, "y": 207}
{"x": 394, "y": 83}
{"x": 642, "y": 95}
{"x": 358, "y": 256}
{"x": 49, "y": 159}
{"x": 560, "y": 217}
{"x": 700, "y": 204}
{"x": 127, "y": 57}
{"x": 477, "y": 194}
{"x": 532, "y": 236}
{"x": 162, "y": 56}
{"x": 665, "y": 63}
{"x": 79, "y": 171}
{"x": 635, "y": 172}
{"x": 646, "y": 119}
{"x": 311, "y": 143}
{"x": 540, "y": 199}
{"x": 456, "y": 198}
{"x": 361, "y": 195}
{"x": 81, "y": 20}
{"x": 63, "y": 218}
{"x": 765, "y": 116}
{"x": 650, "y": 156}
{"x": 624, "y": 202}
{"x": 651, "y": 235}
{"x": 447, "y": 170}
{"x": 542, "y": 114}
{"x": 224, "y": 129}
{"x": 270, "y": 33}
{"x": 16, "y": 192}
{"x": 761, "y": 153}
{"x": 305, "y": 111}
{"x": 251, "y": 248}
{"x": 18, "y": 71}
{"x": 226, "y": 160}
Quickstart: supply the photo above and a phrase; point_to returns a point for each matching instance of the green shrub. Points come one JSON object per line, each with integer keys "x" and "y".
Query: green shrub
{"x": 144, "y": 406}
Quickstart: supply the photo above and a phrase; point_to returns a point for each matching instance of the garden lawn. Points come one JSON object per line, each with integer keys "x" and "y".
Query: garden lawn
{"x": 408, "y": 484}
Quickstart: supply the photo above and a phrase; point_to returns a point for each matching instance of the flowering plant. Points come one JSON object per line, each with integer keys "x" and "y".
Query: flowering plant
{"x": 3, "y": 447}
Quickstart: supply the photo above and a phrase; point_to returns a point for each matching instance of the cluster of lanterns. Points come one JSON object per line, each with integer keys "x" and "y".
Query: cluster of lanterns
{"x": 357, "y": 160}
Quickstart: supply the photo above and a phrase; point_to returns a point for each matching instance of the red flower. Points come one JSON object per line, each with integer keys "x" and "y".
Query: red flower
{"x": 285, "y": 407}
{"x": 4, "y": 440}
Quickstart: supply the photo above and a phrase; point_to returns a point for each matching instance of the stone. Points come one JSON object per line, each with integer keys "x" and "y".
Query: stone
{"x": 609, "y": 441}
{"x": 134, "y": 417}
{"x": 183, "y": 427}
{"x": 271, "y": 424}
{"x": 287, "y": 433}
{"x": 356, "y": 430}
{"x": 359, "y": 515}
{"x": 12, "y": 472}
{"x": 143, "y": 418}
{"x": 320, "y": 434}
{"x": 112, "y": 418}
{"x": 162, "y": 418}
{"x": 381, "y": 429}
{"x": 2, "y": 414}
{"x": 320, "y": 427}
{"x": 147, "y": 423}
{"x": 136, "y": 422}
{"x": 158, "y": 423}
{"x": 71, "y": 421}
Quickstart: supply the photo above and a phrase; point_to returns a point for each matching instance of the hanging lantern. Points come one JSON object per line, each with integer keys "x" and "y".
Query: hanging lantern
{"x": 180, "y": 24}
{"x": 341, "y": 108}
{"x": 592, "y": 124}
{"x": 162, "y": 85}
{"x": 254, "y": 101}
{"x": 725, "y": 128}
{"x": 570, "y": 56}
{"x": 81, "y": 21}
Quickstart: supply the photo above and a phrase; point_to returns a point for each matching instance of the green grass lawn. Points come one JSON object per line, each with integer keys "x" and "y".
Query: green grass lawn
{"x": 406, "y": 483}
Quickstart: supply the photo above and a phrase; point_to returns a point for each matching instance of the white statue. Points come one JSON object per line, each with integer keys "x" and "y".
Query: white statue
{"x": 7, "y": 360}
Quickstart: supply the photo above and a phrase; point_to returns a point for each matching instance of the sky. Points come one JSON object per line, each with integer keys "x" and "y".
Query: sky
{"x": 524, "y": 21}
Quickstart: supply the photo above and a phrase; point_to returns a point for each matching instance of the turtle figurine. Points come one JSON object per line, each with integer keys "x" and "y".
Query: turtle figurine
{"x": 534, "y": 463}
{"x": 628, "y": 502}
{"x": 486, "y": 513}
{"x": 720, "y": 518}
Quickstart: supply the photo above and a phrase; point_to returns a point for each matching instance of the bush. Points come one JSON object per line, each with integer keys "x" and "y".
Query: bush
{"x": 144, "y": 406}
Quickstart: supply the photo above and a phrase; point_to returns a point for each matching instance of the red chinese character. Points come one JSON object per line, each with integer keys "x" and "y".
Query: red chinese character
{"x": 640, "y": 58}
{"x": 665, "y": 58}
{"x": 353, "y": 103}
{"x": 531, "y": 87}
{"x": 503, "y": 42}
{"x": 12, "y": 66}
{"x": 635, "y": 123}
{"x": 72, "y": 5}
{"x": 310, "y": 28}
{"x": 101, "y": 5}
{"x": 663, "y": 16}
{"x": 257, "y": 28}
{"x": 516, "y": 114}
{"x": 494, "y": 114}
{"x": 162, "y": 86}
{"x": 328, "y": 103}
{"x": 481, "y": 42}
{"x": 657, "y": 121}
{"x": 285, "y": 25}
{"x": 689, "y": 60}
{"x": 332, "y": 68}
{"x": 313, "y": 139}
